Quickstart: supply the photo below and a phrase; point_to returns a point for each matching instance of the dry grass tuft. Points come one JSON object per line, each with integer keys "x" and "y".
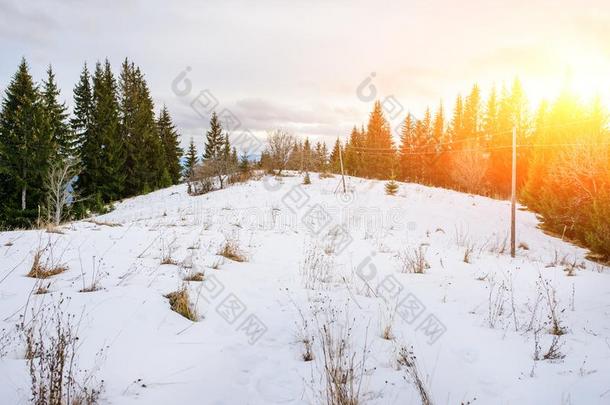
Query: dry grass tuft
{"x": 408, "y": 361}
{"x": 179, "y": 302}
{"x": 231, "y": 250}
{"x": 46, "y": 269}
{"x": 195, "y": 276}
{"x": 413, "y": 261}
{"x": 468, "y": 251}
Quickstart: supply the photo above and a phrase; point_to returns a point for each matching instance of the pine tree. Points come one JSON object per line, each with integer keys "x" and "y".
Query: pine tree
{"x": 143, "y": 166}
{"x": 472, "y": 113}
{"x": 215, "y": 141}
{"x": 456, "y": 129}
{"x": 295, "y": 161}
{"x": 244, "y": 164}
{"x": 439, "y": 159}
{"x": 490, "y": 121}
{"x": 380, "y": 152}
{"x": 171, "y": 145}
{"x": 353, "y": 162}
{"x": 103, "y": 154}
{"x": 82, "y": 116}
{"x": 421, "y": 147}
{"x": 217, "y": 157}
{"x": 57, "y": 116}
{"x": 512, "y": 111}
{"x": 234, "y": 158}
{"x": 306, "y": 156}
{"x": 335, "y": 161}
{"x": 405, "y": 153}
{"x": 306, "y": 179}
{"x": 26, "y": 148}
{"x": 191, "y": 159}
{"x": 391, "y": 187}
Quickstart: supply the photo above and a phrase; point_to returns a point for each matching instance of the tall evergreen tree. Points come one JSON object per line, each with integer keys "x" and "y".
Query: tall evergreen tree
{"x": 26, "y": 148}
{"x": 335, "y": 161}
{"x": 406, "y": 150}
{"x": 472, "y": 119}
{"x": 172, "y": 151}
{"x": 217, "y": 158}
{"x": 82, "y": 116}
{"x": 143, "y": 165}
{"x": 103, "y": 154}
{"x": 191, "y": 159}
{"x": 439, "y": 158}
{"x": 306, "y": 156}
{"x": 354, "y": 152}
{"x": 456, "y": 129}
{"x": 380, "y": 151}
{"x": 512, "y": 111}
{"x": 214, "y": 140}
{"x": 57, "y": 116}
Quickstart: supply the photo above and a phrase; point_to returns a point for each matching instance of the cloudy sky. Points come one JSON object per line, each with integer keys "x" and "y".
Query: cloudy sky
{"x": 298, "y": 64}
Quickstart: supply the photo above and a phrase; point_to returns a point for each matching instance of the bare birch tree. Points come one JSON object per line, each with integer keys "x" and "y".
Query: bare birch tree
{"x": 59, "y": 196}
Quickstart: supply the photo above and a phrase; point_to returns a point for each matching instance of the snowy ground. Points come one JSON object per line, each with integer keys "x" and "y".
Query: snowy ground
{"x": 318, "y": 258}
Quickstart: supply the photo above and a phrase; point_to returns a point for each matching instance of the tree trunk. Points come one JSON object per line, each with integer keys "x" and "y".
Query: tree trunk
{"x": 23, "y": 197}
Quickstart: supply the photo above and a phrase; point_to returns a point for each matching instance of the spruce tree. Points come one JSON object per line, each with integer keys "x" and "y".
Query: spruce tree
{"x": 217, "y": 156}
{"x": 234, "y": 158}
{"x": 82, "y": 115}
{"x": 440, "y": 159}
{"x": 172, "y": 151}
{"x": 335, "y": 161}
{"x": 391, "y": 187}
{"x": 103, "y": 154}
{"x": 144, "y": 162}
{"x": 26, "y": 148}
{"x": 306, "y": 156}
{"x": 214, "y": 141}
{"x": 306, "y": 179}
{"x": 472, "y": 113}
{"x": 57, "y": 117}
{"x": 407, "y": 148}
{"x": 512, "y": 111}
{"x": 244, "y": 164}
{"x": 353, "y": 159}
{"x": 456, "y": 129}
{"x": 191, "y": 159}
{"x": 380, "y": 146}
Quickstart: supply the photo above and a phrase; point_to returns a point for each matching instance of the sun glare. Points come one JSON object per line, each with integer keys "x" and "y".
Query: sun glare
{"x": 585, "y": 73}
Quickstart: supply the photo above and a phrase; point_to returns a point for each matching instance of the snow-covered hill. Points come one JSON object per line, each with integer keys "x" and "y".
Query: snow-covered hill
{"x": 316, "y": 260}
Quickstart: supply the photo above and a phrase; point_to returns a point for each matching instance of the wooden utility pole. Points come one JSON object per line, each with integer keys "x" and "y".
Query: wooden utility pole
{"x": 513, "y": 195}
{"x": 341, "y": 163}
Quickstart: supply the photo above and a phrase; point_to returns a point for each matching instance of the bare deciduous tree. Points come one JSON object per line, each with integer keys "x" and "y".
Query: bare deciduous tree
{"x": 60, "y": 196}
{"x": 469, "y": 167}
{"x": 280, "y": 144}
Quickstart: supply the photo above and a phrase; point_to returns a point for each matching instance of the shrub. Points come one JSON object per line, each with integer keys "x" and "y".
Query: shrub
{"x": 51, "y": 353}
{"x": 343, "y": 372}
{"x": 316, "y": 269}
